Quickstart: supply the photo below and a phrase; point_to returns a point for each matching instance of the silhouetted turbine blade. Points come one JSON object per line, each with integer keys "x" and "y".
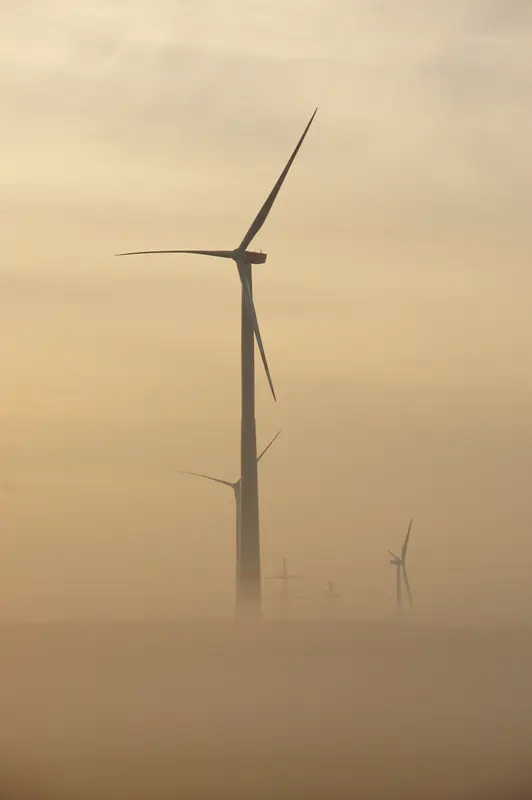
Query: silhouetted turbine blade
{"x": 219, "y": 480}
{"x": 214, "y": 253}
{"x": 255, "y": 324}
{"x": 405, "y": 545}
{"x": 268, "y": 447}
{"x": 393, "y": 554}
{"x": 405, "y": 578}
{"x": 261, "y": 217}
{"x": 207, "y": 477}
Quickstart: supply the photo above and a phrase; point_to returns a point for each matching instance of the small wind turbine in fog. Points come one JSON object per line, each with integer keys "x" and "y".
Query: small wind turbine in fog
{"x": 399, "y": 562}
{"x": 331, "y": 594}
{"x": 250, "y": 573}
{"x": 284, "y": 577}
{"x": 236, "y": 487}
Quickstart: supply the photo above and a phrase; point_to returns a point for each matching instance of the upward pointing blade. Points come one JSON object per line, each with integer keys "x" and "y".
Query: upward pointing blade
{"x": 207, "y": 477}
{"x": 405, "y": 545}
{"x": 213, "y": 253}
{"x": 261, "y": 217}
{"x": 405, "y": 578}
{"x": 268, "y": 446}
{"x": 255, "y": 324}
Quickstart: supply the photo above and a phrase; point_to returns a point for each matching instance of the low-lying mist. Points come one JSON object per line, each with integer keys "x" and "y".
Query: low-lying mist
{"x": 291, "y": 709}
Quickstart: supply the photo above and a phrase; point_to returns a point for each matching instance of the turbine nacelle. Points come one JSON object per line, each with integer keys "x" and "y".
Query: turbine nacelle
{"x": 250, "y": 257}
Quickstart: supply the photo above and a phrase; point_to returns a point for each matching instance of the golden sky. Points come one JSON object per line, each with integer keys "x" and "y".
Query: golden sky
{"x": 394, "y": 306}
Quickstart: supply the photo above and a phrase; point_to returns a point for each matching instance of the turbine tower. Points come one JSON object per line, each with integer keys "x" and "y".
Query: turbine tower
{"x": 249, "y": 495}
{"x": 236, "y": 486}
{"x": 399, "y": 562}
{"x": 284, "y": 577}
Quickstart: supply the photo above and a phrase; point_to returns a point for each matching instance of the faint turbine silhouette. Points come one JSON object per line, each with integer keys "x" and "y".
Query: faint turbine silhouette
{"x": 249, "y": 523}
{"x": 284, "y": 577}
{"x": 236, "y": 487}
{"x": 399, "y": 562}
{"x": 331, "y": 595}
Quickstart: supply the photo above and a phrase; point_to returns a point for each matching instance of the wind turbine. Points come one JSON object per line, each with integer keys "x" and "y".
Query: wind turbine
{"x": 331, "y": 594}
{"x": 399, "y": 562}
{"x": 236, "y": 486}
{"x": 249, "y": 503}
{"x": 284, "y": 577}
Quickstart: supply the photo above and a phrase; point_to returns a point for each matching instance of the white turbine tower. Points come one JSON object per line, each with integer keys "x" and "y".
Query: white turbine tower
{"x": 244, "y": 259}
{"x": 399, "y": 562}
{"x": 236, "y": 486}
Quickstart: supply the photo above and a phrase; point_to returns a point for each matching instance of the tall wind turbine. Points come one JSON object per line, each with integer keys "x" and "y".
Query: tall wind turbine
{"x": 236, "y": 486}
{"x": 244, "y": 258}
{"x": 399, "y": 562}
{"x": 284, "y": 577}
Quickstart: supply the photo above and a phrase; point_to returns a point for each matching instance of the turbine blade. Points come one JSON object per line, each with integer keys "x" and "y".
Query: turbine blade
{"x": 405, "y": 578}
{"x": 407, "y": 538}
{"x": 255, "y": 323}
{"x": 207, "y": 477}
{"x": 393, "y": 554}
{"x": 213, "y": 253}
{"x": 261, "y": 217}
{"x": 268, "y": 447}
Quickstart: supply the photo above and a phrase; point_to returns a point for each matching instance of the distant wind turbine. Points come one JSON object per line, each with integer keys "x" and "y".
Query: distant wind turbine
{"x": 399, "y": 562}
{"x": 284, "y": 577}
{"x": 244, "y": 258}
{"x": 236, "y": 486}
{"x": 331, "y": 594}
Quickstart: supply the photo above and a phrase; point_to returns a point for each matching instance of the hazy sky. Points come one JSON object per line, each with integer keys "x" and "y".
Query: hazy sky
{"x": 395, "y": 303}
